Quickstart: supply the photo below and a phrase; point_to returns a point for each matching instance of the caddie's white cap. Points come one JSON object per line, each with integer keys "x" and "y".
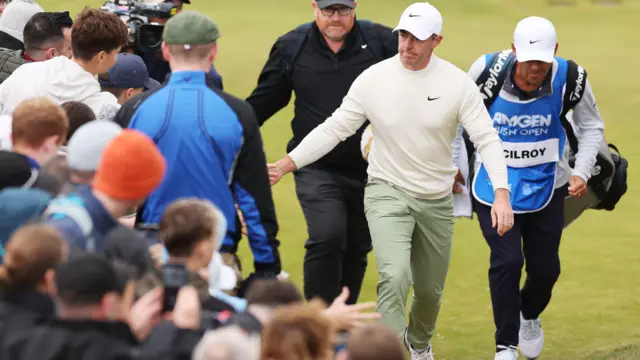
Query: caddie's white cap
{"x": 422, "y": 20}
{"x": 535, "y": 39}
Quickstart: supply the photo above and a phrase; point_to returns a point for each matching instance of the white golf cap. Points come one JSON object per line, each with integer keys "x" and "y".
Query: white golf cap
{"x": 422, "y": 20}
{"x": 535, "y": 39}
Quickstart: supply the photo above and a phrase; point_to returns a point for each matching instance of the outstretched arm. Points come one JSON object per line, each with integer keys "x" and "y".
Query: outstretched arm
{"x": 344, "y": 122}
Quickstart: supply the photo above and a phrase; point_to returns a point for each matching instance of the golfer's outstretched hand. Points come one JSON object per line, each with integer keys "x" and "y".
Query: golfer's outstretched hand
{"x": 280, "y": 169}
{"x": 501, "y": 212}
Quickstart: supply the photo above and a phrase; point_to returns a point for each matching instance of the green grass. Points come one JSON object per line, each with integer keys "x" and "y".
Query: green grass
{"x": 595, "y": 309}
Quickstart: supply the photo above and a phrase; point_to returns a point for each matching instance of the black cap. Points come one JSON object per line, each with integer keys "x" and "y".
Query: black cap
{"x": 326, "y": 3}
{"x": 128, "y": 246}
{"x": 85, "y": 279}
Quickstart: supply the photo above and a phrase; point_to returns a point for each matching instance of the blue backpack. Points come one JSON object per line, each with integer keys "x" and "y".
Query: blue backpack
{"x": 20, "y": 206}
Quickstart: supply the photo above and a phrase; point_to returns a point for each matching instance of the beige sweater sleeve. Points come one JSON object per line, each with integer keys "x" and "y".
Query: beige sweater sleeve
{"x": 476, "y": 120}
{"x": 344, "y": 122}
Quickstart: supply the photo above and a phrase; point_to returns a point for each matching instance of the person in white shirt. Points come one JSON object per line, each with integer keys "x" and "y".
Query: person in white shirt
{"x": 527, "y": 115}
{"x": 96, "y": 39}
{"x": 414, "y": 102}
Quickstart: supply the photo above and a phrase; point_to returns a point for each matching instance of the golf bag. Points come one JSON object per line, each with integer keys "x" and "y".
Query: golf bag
{"x": 608, "y": 181}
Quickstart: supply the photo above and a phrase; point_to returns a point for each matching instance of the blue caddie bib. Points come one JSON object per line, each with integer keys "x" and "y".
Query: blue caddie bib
{"x": 533, "y": 139}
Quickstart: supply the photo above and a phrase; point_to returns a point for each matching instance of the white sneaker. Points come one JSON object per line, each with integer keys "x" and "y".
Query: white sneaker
{"x": 531, "y": 338}
{"x": 426, "y": 354}
{"x": 506, "y": 354}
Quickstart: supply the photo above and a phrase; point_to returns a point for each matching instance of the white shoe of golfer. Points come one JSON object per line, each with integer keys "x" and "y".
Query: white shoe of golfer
{"x": 531, "y": 338}
{"x": 507, "y": 354}
{"x": 426, "y": 354}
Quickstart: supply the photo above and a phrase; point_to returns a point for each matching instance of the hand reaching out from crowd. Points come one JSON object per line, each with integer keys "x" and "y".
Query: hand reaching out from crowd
{"x": 186, "y": 313}
{"x": 347, "y": 317}
{"x": 146, "y": 313}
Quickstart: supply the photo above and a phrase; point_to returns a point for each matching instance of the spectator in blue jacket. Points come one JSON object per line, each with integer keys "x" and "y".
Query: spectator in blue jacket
{"x": 210, "y": 139}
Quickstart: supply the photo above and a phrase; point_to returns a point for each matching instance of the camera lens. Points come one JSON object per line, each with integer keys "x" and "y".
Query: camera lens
{"x": 150, "y": 36}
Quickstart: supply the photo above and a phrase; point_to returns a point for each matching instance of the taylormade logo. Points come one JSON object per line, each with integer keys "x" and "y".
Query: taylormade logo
{"x": 494, "y": 72}
{"x": 575, "y": 95}
{"x": 596, "y": 170}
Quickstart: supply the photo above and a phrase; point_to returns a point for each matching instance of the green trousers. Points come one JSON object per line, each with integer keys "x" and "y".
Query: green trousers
{"x": 412, "y": 245}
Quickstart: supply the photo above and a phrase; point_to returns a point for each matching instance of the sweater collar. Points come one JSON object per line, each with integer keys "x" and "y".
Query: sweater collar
{"x": 432, "y": 63}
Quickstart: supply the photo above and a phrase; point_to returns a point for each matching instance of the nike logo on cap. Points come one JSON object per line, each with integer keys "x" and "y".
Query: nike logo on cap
{"x": 412, "y": 15}
{"x": 533, "y": 42}
{"x": 433, "y": 98}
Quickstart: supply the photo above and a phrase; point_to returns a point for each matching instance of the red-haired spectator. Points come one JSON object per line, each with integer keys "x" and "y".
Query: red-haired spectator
{"x": 373, "y": 342}
{"x": 298, "y": 332}
{"x": 38, "y": 130}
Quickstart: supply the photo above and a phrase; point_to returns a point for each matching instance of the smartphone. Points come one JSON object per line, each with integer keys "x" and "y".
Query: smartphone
{"x": 174, "y": 277}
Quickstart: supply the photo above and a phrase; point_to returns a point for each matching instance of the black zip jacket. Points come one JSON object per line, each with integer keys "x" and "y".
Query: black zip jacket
{"x": 320, "y": 80}
{"x": 74, "y": 340}
{"x": 23, "y": 310}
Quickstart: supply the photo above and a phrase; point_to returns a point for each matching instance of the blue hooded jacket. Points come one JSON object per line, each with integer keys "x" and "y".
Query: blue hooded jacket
{"x": 17, "y": 208}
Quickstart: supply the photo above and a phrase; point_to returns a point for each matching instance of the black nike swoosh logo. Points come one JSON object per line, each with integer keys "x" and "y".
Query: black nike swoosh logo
{"x": 431, "y": 99}
{"x": 411, "y": 15}
{"x": 533, "y": 42}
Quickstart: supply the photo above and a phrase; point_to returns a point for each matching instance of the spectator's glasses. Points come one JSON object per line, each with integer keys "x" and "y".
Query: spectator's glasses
{"x": 341, "y": 10}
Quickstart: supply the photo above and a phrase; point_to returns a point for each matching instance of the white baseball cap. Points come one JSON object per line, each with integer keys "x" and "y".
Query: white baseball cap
{"x": 535, "y": 39}
{"x": 422, "y": 20}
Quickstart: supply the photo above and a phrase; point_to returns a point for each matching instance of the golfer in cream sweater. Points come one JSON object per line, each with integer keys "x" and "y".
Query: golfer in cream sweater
{"x": 414, "y": 102}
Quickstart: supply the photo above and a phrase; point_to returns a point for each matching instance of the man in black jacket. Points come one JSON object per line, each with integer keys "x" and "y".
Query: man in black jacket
{"x": 90, "y": 303}
{"x": 97, "y": 320}
{"x": 319, "y": 61}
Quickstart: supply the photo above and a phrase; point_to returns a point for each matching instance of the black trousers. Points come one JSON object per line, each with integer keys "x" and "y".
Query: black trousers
{"x": 535, "y": 237}
{"x": 339, "y": 239}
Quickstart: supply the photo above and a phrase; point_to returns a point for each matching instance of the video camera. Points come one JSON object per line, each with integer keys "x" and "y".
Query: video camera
{"x": 144, "y": 36}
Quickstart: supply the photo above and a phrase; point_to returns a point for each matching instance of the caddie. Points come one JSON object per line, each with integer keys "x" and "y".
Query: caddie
{"x": 526, "y": 91}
